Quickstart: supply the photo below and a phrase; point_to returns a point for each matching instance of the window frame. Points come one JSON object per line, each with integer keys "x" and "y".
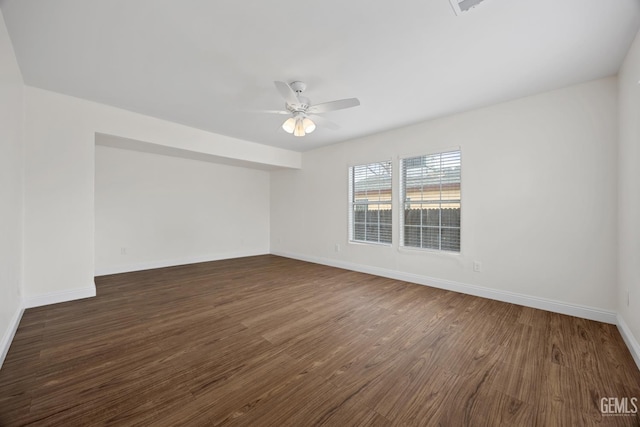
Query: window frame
{"x": 402, "y": 203}
{"x": 350, "y": 204}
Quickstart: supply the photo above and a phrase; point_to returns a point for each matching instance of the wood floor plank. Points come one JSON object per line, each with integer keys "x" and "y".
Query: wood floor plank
{"x": 267, "y": 340}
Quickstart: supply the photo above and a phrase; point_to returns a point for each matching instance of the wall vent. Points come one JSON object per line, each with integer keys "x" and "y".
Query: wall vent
{"x": 460, "y": 6}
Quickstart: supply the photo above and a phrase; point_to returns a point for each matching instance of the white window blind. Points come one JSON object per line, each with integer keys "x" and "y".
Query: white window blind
{"x": 370, "y": 212}
{"x": 430, "y": 190}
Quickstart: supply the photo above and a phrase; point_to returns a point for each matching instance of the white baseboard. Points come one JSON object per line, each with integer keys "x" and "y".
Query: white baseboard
{"x": 60, "y": 296}
{"x": 149, "y": 265}
{"x": 629, "y": 339}
{"x": 7, "y": 338}
{"x": 576, "y": 310}
{"x": 505, "y": 296}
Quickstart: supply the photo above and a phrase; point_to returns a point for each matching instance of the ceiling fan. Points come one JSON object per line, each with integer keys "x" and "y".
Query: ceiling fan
{"x": 304, "y": 116}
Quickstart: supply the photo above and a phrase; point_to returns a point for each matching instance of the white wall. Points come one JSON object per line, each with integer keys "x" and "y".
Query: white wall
{"x": 11, "y": 110}
{"x": 168, "y": 211}
{"x": 629, "y": 194}
{"x": 538, "y": 199}
{"x": 59, "y": 143}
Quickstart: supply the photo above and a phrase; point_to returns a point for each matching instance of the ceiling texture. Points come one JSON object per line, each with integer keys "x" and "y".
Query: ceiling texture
{"x": 211, "y": 64}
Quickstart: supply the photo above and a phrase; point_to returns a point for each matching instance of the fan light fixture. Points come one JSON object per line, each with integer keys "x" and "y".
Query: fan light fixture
{"x": 299, "y": 125}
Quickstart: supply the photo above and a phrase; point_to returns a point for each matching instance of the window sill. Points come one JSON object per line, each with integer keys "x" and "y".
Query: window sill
{"x": 361, "y": 243}
{"x": 417, "y": 251}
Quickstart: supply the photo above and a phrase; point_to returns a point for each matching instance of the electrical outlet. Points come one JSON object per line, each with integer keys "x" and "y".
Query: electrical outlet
{"x": 337, "y": 247}
{"x": 123, "y": 251}
{"x": 477, "y": 266}
{"x": 628, "y": 297}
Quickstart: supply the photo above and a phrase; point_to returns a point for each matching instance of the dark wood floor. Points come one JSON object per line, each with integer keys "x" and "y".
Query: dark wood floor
{"x": 272, "y": 341}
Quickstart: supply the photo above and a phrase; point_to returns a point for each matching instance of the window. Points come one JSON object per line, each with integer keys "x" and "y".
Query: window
{"x": 370, "y": 203}
{"x": 430, "y": 191}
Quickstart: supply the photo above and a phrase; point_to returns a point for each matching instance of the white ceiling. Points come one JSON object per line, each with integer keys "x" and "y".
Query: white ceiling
{"x": 210, "y": 64}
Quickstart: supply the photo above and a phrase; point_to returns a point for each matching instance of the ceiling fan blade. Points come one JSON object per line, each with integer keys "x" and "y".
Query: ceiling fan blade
{"x": 271, "y": 111}
{"x": 287, "y": 93}
{"x": 319, "y": 120}
{"x": 334, "y": 105}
